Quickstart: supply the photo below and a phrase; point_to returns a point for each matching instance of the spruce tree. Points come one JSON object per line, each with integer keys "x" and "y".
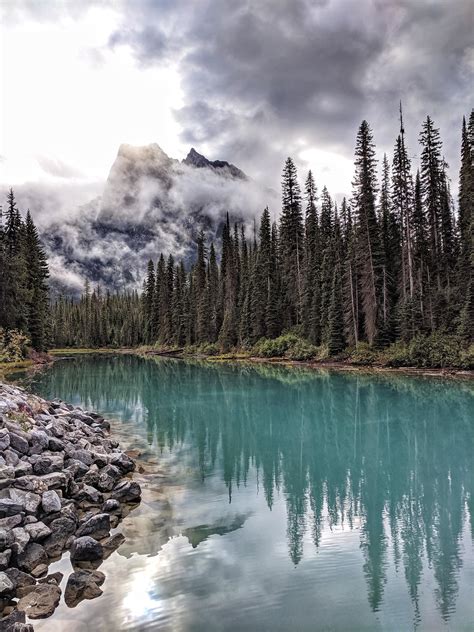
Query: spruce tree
{"x": 369, "y": 254}
{"x": 291, "y": 245}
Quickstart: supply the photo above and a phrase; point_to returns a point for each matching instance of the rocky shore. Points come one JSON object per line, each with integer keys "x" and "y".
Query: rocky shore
{"x": 65, "y": 485}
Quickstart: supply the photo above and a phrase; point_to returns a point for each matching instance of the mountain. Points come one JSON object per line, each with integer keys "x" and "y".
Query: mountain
{"x": 194, "y": 159}
{"x": 150, "y": 204}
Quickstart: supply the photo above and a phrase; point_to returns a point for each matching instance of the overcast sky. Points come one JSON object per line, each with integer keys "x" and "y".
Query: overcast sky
{"x": 245, "y": 81}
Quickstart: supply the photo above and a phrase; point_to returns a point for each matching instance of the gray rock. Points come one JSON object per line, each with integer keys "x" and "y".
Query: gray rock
{"x": 85, "y": 456}
{"x": 9, "y": 507}
{"x": 29, "y": 500}
{"x": 39, "y": 441}
{"x": 11, "y": 458}
{"x": 56, "y": 480}
{"x": 48, "y": 464}
{"x": 83, "y": 584}
{"x": 33, "y": 556}
{"x": 51, "y": 503}
{"x": 61, "y": 530}
{"x": 7, "y": 471}
{"x": 56, "y": 445}
{"x": 97, "y": 526}
{"x": 123, "y": 462}
{"x": 21, "y": 539}
{"x": 24, "y": 468}
{"x": 77, "y": 468}
{"x": 8, "y": 623}
{"x": 53, "y": 578}
{"x": 38, "y": 531}
{"x": 86, "y": 549}
{"x": 4, "y": 439}
{"x": 111, "y": 505}
{"x": 23, "y": 627}
{"x": 11, "y": 521}
{"x": 41, "y": 602}
{"x": 90, "y": 495}
{"x": 5, "y": 557}
{"x": 7, "y": 587}
{"x": 19, "y": 578}
{"x": 108, "y": 477}
{"x": 19, "y": 443}
{"x": 6, "y": 539}
{"x": 127, "y": 491}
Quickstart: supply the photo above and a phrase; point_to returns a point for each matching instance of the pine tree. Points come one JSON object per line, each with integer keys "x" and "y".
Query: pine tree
{"x": 148, "y": 301}
{"x": 312, "y": 264}
{"x": 37, "y": 299}
{"x": 336, "y": 338}
{"x": 291, "y": 245}
{"x": 369, "y": 255}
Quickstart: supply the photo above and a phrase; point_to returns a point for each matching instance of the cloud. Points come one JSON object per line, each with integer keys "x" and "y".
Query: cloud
{"x": 57, "y": 168}
{"x": 264, "y": 80}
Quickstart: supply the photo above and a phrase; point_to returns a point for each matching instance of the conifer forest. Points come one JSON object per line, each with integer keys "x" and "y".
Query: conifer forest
{"x": 391, "y": 264}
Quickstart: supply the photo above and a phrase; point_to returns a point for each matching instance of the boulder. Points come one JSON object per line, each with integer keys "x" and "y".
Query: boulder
{"x": 4, "y": 439}
{"x": 40, "y": 602}
{"x": 19, "y": 443}
{"x": 38, "y": 441}
{"x": 51, "y": 503}
{"x": 21, "y": 537}
{"x": 108, "y": 477}
{"x": 111, "y": 505}
{"x": 7, "y": 587}
{"x": 61, "y": 530}
{"x": 38, "y": 531}
{"x": 83, "y": 584}
{"x": 29, "y": 500}
{"x": 19, "y": 578}
{"x": 127, "y": 491}
{"x": 122, "y": 461}
{"x": 86, "y": 549}
{"x": 5, "y": 557}
{"x": 6, "y": 539}
{"x": 9, "y": 507}
{"x": 32, "y": 556}
{"x": 97, "y": 526}
{"x": 11, "y": 622}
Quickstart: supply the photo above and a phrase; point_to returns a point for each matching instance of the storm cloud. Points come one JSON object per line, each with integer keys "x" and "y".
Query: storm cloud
{"x": 263, "y": 80}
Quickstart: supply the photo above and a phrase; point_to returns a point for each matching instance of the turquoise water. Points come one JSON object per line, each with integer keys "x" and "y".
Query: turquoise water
{"x": 283, "y": 499}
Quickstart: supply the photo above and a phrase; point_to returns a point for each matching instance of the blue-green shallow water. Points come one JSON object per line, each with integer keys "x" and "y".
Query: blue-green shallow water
{"x": 287, "y": 500}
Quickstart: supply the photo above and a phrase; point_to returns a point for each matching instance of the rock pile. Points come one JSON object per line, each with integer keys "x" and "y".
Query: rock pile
{"x": 64, "y": 485}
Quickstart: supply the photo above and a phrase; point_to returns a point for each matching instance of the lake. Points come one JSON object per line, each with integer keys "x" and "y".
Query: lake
{"x": 281, "y": 499}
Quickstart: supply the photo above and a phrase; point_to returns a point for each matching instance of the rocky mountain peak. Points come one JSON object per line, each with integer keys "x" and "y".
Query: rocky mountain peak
{"x": 195, "y": 159}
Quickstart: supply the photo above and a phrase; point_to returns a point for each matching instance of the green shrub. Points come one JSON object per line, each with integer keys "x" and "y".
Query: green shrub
{"x": 435, "y": 351}
{"x": 467, "y": 358}
{"x": 13, "y": 345}
{"x": 301, "y": 350}
{"x": 288, "y": 345}
{"x": 363, "y": 354}
{"x": 208, "y": 348}
{"x": 398, "y": 354}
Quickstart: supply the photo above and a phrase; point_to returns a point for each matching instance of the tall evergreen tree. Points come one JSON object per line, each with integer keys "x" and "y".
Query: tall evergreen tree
{"x": 291, "y": 245}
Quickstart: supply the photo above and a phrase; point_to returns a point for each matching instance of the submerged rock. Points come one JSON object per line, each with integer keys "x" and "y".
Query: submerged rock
{"x": 41, "y": 602}
{"x": 83, "y": 584}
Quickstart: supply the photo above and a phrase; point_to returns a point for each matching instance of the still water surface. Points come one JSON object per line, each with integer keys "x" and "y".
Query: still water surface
{"x": 282, "y": 499}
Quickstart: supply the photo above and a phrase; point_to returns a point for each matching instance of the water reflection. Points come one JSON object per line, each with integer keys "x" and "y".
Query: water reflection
{"x": 387, "y": 456}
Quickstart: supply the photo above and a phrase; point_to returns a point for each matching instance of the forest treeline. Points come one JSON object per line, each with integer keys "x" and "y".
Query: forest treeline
{"x": 391, "y": 264}
{"x": 24, "y": 295}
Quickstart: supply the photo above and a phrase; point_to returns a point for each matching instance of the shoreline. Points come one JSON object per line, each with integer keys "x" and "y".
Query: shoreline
{"x": 65, "y": 486}
{"x": 241, "y": 358}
